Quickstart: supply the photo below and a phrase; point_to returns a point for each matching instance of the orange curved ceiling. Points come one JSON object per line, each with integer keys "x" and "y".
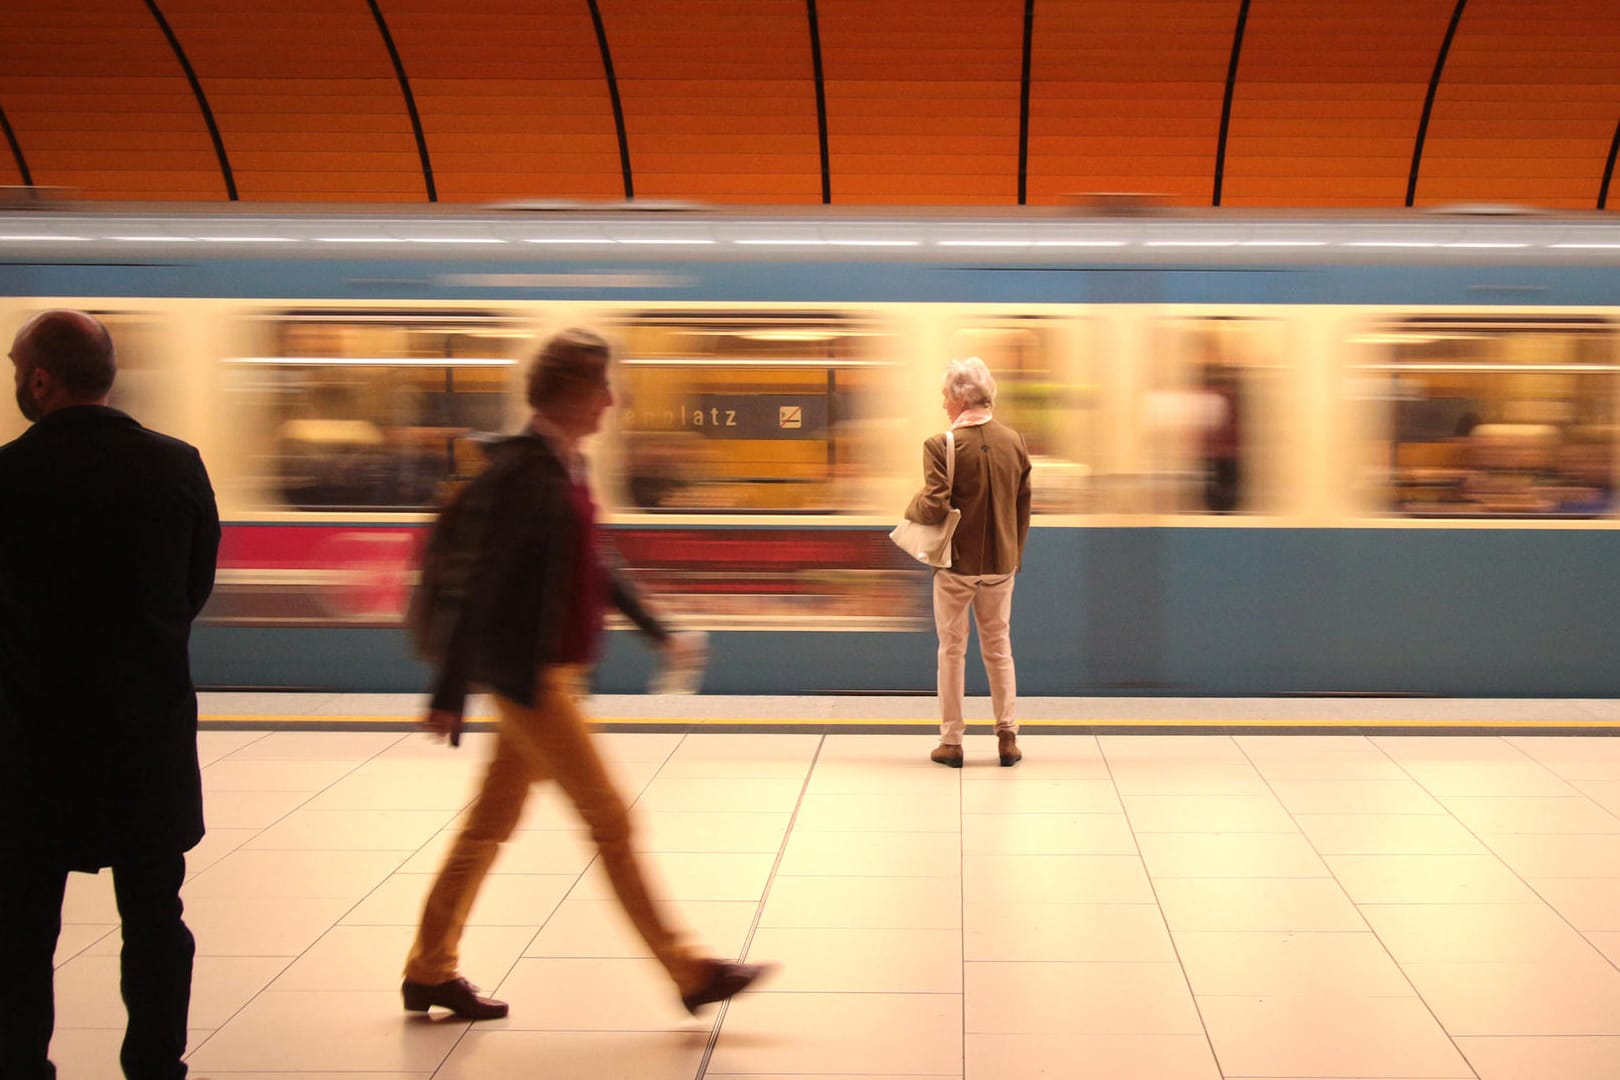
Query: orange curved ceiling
{"x": 1382, "y": 103}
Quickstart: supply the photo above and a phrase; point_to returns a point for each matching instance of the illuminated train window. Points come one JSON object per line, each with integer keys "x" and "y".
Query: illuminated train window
{"x": 1486, "y": 417}
{"x": 363, "y": 410}
{"x": 1043, "y": 393}
{"x": 752, "y": 413}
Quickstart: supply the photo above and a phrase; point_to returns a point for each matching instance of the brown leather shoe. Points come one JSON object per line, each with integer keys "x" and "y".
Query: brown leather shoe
{"x": 725, "y": 978}
{"x": 946, "y": 754}
{"x": 458, "y": 995}
{"x": 1007, "y": 747}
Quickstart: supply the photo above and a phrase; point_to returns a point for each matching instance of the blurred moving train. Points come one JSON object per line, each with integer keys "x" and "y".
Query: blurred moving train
{"x": 1307, "y": 454}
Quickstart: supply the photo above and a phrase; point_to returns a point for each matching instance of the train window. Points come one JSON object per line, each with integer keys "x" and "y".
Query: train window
{"x": 1481, "y": 417}
{"x": 362, "y": 411}
{"x": 751, "y": 412}
{"x": 1040, "y": 395}
{"x": 1207, "y": 418}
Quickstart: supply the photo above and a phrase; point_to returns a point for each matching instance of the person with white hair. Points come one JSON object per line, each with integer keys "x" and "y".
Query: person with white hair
{"x": 989, "y": 484}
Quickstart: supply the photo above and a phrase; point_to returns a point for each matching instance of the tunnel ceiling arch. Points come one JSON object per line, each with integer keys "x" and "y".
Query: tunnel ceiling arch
{"x": 1382, "y": 103}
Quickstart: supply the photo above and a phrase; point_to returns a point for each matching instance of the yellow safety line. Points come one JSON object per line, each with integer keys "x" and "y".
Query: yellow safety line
{"x": 810, "y": 721}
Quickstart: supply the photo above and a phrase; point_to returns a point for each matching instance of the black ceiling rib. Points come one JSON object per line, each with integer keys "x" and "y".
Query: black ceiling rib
{"x": 1023, "y": 105}
{"x": 1226, "y": 101}
{"x": 202, "y": 99}
{"x": 28, "y": 177}
{"x": 1428, "y": 102}
{"x": 410, "y": 101}
{"x": 613, "y": 94}
{"x": 1608, "y": 169}
{"x": 821, "y": 100}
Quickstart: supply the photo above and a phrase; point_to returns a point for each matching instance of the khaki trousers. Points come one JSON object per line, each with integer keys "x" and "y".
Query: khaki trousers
{"x": 548, "y": 741}
{"x": 990, "y": 597}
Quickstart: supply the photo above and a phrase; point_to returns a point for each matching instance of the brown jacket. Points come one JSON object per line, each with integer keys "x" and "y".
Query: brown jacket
{"x": 991, "y": 490}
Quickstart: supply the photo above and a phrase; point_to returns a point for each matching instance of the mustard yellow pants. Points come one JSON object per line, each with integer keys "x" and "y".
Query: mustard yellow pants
{"x": 546, "y": 741}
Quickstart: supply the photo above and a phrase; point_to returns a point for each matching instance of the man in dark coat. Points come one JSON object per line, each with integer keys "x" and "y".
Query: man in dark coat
{"x": 108, "y": 538}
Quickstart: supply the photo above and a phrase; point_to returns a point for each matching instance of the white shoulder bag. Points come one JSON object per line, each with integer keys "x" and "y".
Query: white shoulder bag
{"x": 931, "y": 544}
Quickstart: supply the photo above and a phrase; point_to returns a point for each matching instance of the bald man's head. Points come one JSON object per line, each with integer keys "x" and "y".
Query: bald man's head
{"x": 63, "y": 358}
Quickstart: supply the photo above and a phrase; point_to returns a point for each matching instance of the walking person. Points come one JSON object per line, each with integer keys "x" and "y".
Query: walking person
{"x": 991, "y": 489}
{"x": 108, "y": 538}
{"x": 527, "y": 628}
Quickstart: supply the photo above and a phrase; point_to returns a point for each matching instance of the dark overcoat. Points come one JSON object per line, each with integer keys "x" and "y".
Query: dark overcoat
{"x": 108, "y": 538}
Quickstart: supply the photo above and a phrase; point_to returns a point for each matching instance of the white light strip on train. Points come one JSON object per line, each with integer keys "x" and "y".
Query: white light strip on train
{"x": 1542, "y": 369}
{"x": 32, "y": 239}
{"x": 1474, "y": 244}
{"x": 155, "y": 239}
{"x": 375, "y": 361}
{"x": 247, "y": 239}
{"x": 784, "y": 243}
{"x": 358, "y": 240}
{"x": 874, "y": 243}
{"x": 722, "y": 362}
{"x": 452, "y": 240}
{"x": 1191, "y": 243}
{"x": 1391, "y": 243}
{"x": 672, "y": 241}
{"x": 1283, "y": 243}
{"x": 1590, "y": 247}
{"x": 1082, "y": 243}
{"x": 565, "y": 240}
{"x": 985, "y": 243}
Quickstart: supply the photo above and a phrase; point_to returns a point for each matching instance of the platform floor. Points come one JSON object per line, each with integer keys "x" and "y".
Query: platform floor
{"x": 1167, "y": 906}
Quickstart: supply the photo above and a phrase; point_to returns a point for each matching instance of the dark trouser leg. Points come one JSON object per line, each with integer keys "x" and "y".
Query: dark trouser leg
{"x": 156, "y": 966}
{"x": 30, "y": 920}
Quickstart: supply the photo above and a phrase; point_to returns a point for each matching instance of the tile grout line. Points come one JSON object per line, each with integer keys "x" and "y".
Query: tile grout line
{"x": 759, "y": 911}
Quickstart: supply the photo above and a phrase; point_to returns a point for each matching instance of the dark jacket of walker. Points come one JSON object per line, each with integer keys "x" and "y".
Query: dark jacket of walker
{"x": 991, "y": 490}
{"x": 516, "y": 605}
{"x": 108, "y": 539}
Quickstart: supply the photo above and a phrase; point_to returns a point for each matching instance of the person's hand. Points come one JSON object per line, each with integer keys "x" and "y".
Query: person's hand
{"x": 443, "y": 724}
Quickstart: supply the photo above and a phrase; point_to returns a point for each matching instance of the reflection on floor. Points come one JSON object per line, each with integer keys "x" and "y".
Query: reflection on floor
{"x": 1117, "y": 906}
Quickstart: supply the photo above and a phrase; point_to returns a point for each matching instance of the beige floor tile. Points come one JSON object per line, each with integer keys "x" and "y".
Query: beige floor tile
{"x": 1593, "y": 856}
{"x": 922, "y": 777}
{"x": 1608, "y": 943}
{"x": 903, "y": 749}
{"x": 249, "y": 809}
{"x": 1207, "y": 813}
{"x": 711, "y": 1075}
{"x": 529, "y": 851}
{"x": 1332, "y": 1036}
{"x": 1289, "y": 965}
{"x": 1090, "y": 1057}
{"x": 488, "y": 1054}
{"x": 336, "y": 1032}
{"x": 653, "y": 746}
{"x": 1327, "y": 767}
{"x": 919, "y": 854}
{"x": 222, "y": 985}
{"x": 1079, "y": 999}
{"x": 89, "y": 898}
{"x": 350, "y": 874}
{"x": 1041, "y": 797}
{"x": 257, "y": 925}
{"x": 599, "y": 928}
{"x": 372, "y": 957}
{"x": 689, "y": 876}
{"x": 322, "y": 1075}
{"x": 353, "y": 746}
{"x": 1449, "y": 749}
{"x": 502, "y": 900}
{"x": 1235, "y": 855}
{"x": 214, "y": 846}
{"x": 1541, "y": 1058}
{"x": 1474, "y": 933}
{"x": 546, "y": 809}
{"x": 1388, "y": 834}
{"x": 706, "y": 830}
{"x": 213, "y": 745}
{"x": 87, "y": 1052}
{"x": 75, "y": 938}
{"x": 935, "y": 812}
{"x": 1040, "y": 762}
{"x": 728, "y": 746}
{"x": 351, "y": 830}
{"x": 1588, "y": 903}
{"x": 1203, "y": 749}
{"x": 1429, "y": 879}
{"x": 741, "y": 794}
{"x": 1522, "y": 778}
{"x": 402, "y": 785}
{"x": 841, "y": 1034}
{"x": 1263, "y": 747}
{"x": 1046, "y": 834}
{"x": 1509, "y": 814}
{"x": 87, "y": 993}
{"x": 1605, "y": 793}
{"x": 308, "y": 776}
{"x": 1561, "y": 996}
{"x": 1256, "y": 904}
{"x": 839, "y": 961}
{"x": 1008, "y": 932}
{"x": 1074, "y": 879}
{"x": 723, "y": 768}
{"x": 865, "y": 902}
{"x": 570, "y": 994}
{"x": 1176, "y": 778}
{"x": 1355, "y": 797}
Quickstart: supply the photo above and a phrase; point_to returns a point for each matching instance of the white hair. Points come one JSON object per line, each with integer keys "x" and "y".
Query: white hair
{"x": 969, "y": 381}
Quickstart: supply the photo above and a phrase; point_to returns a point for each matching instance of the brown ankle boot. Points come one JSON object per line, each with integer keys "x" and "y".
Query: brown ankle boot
{"x": 1007, "y": 747}
{"x": 947, "y": 755}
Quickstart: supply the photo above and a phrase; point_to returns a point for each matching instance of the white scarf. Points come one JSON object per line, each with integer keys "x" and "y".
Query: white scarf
{"x": 971, "y": 418}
